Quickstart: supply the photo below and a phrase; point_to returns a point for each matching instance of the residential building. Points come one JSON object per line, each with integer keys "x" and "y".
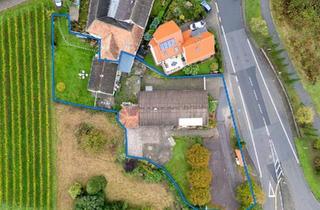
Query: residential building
{"x": 173, "y": 49}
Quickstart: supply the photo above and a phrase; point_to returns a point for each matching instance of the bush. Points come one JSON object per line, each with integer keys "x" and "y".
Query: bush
{"x": 75, "y": 190}
{"x": 316, "y": 144}
{"x": 198, "y": 156}
{"x": 244, "y": 196}
{"x": 92, "y": 202}
{"x": 148, "y": 172}
{"x": 214, "y": 66}
{"x": 212, "y": 105}
{"x": 191, "y": 70}
{"x": 316, "y": 163}
{"x": 200, "y": 196}
{"x": 96, "y": 184}
{"x": 90, "y": 139}
{"x": 259, "y": 26}
{"x": 61, "y": 87}
{"x": 199, "y": 178}
{"x": 304, "y": 115}
{"x": 130, "y": 165}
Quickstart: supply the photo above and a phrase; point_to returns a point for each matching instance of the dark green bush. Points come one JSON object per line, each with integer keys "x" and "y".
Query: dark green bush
{"x": 96, "y": 184}
{"x": 90, "y": 202}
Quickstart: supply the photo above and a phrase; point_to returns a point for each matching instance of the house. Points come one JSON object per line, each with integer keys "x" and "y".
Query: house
{"x": 181, "y": 108}
{"x": 119, "y": 24}
{"x": 173, "y": 49}
{"x": 104, "y": 78}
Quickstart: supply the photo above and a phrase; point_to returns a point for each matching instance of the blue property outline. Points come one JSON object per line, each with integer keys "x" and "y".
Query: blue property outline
{"x": 152, "y": 68}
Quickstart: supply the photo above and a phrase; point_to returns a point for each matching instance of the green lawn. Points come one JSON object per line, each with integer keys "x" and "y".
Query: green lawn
{"x": 252, "y": 9}
{"x": 27, "y": 150}
{"x": 178, "y": 166}
{"x": 306, "y": 154}
{"x": 72, "y": 55}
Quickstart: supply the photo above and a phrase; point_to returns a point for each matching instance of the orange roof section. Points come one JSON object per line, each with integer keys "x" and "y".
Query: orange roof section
{"x": 115, "y": 39}
{"x": 198, "y": 48}
{"x": 166, "y": 30}
{"x": 129, "y": 116}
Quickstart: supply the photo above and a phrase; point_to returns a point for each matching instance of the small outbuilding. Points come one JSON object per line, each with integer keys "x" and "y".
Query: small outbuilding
{"x": 182, "y": 108}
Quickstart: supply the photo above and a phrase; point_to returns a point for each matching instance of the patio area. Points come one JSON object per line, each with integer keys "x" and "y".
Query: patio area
{"x": 173, "y": 64}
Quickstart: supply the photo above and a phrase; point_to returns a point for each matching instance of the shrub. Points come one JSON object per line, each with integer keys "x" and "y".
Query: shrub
{"x": 259, "y": 26}
{"x": 191, "y": 70}
{"x": 96, "y": 184}
{"x": 244, "y": 196}
{"x": 316, "y": 163}
{"x": 199, "y": 178}
{"x": 90, "y": 139}
{"x": 214, "y": 66}
{"x": 304, "y": 115}
{"x": 61, "y": 87}
{"x": 198, "y": 156}
{"x": 130, "y": 165}
{"x": 316, "y": 144}
{"x": 75, "y": 190}
{"x": 92, "y": 202}
{"x": 200, "y": 196}
{"x": 212, "y": 105}
{"x": 148, "y": 172}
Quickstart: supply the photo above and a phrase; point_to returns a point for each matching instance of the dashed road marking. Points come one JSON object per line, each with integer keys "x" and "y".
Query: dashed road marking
{"x": 255, "y": 94}
{"x": 260, "y": 108}
{"x": 250, "y": 81}
{"x": 274, "y": 106}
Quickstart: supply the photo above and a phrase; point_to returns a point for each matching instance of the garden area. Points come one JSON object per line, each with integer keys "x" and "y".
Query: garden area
{"x": 27, "y": 151}
{"x": 72, "y": 57}
{"x": 189, "y": 166}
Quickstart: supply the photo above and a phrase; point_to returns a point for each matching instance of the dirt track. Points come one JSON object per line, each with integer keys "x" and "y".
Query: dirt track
{"x": 5, "y": 4}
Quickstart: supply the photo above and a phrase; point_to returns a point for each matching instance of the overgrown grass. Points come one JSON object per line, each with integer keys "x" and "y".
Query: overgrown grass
{"x": 306, "y": 154}
{"x": 178, "y": 166}
{"x": 72, "y": 55}
{"x": 27, "y": 149}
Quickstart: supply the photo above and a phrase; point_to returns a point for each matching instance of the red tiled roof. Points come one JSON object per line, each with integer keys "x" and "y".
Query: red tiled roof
{"x": 129, "y": 116}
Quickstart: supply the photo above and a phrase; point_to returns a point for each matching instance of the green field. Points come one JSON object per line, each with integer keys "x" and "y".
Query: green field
{"x": 27, "y": 148}
{"x": 72, "y": 55}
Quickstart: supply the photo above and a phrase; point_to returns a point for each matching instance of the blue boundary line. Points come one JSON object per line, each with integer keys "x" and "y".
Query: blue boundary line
{"x": 152, "y": 68}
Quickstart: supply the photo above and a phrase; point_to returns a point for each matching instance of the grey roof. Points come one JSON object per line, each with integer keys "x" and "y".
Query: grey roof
{"x": 165, "y": 107}
{"x": 126, "y": 62}
{"x": 102, "y": 77}
{"x": 126, "y": 11}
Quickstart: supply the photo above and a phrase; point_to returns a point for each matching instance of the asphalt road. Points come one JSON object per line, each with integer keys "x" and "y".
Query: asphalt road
{"x": 260, "y": 109}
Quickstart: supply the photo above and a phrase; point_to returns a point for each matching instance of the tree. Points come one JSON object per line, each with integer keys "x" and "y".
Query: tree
{"x": 199, "y": 178}
{"x": 199, "y": 196}
{"x": 316, "y": 144}
{"x": 90, "y": 202}
{"x": 304, "y": 115}
{"x": 191, "y": 70}
{"x": 198, "y": 156}
{"x": 75, "y": 190}
{"x": 316, "y": 163}
{"x": 244, "y": 196}
{"x": 96, "y": 184}
{"x": 259, "y": 26}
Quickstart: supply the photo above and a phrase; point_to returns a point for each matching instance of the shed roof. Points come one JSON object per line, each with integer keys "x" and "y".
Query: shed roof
{"x": 167, "y": 107}
{"x": 102, "y": 77}
{"x": 126, "y": 62}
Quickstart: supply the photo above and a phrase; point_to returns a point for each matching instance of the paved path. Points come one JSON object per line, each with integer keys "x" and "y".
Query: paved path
{"x": 5, "y": 4}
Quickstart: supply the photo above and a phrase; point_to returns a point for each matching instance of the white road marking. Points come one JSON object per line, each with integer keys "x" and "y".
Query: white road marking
{"x": 204, "y": 83}
{"x": 237, "y": 78}
{"x": 266, "y": 126}
{"x": 255, "y": 94}
{"x": 250, "y": 81}
{"x": 271, "y": 193}
{"x": 260, "y": 108}
{"x": 250, "y": 131}
{"x": 225, "y": 39}
{"x": 274, "y": 106}
{"x": 219, "y": 19}
{"x": 217, "y": 7}
{"x": 243, "y": 104}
